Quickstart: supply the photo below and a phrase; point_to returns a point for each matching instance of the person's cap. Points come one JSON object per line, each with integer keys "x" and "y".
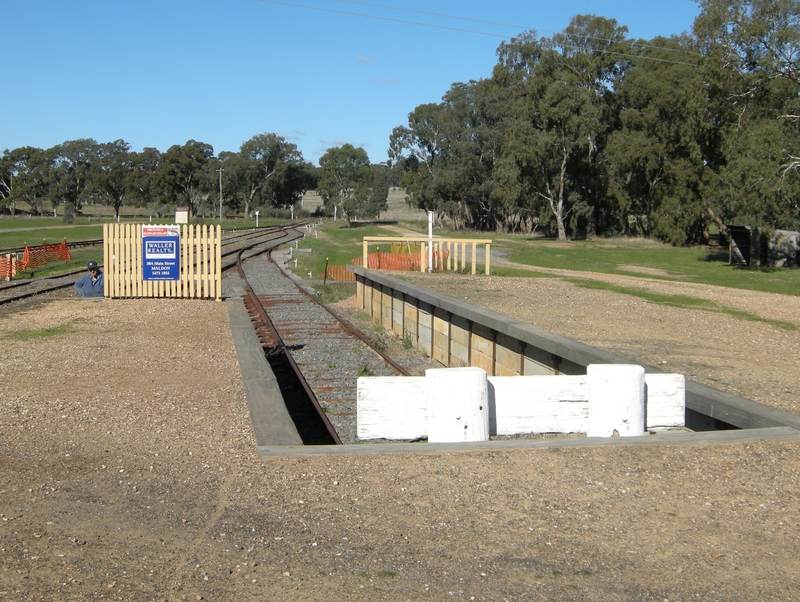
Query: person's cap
{"x": 92, "y": 265}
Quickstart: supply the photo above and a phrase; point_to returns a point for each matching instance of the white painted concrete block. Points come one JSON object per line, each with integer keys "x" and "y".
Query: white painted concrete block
{"x": 538, "y": 404}
{"x": 458, "y": 405}
{"x": 390, "y": 407}
{"x": 616, "y": 400}
{"x": 665, "y": 405}
{"x": 397, "y": 407}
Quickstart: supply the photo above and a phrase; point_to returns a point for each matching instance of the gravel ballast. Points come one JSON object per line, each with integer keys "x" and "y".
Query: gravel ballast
{"x": 128, "y": 471}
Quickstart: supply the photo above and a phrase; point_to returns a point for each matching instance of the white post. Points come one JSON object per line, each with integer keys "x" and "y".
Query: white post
{"x": 335, "y": 209}
{"x": 616, "y": 400}
{"x": 291, "y": 208}
{"x": 430, "y": 241}
{"x": 220, "y": 170}
{"x": 256, "y": 219}
{"x": 458, "y": 405}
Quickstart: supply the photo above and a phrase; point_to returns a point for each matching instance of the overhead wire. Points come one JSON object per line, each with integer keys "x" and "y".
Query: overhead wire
{"x": 456, "y": 29}
{"x": 519, "y": 27}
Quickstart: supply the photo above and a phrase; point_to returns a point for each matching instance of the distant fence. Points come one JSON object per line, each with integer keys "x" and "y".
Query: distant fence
{"x": 200, "y": 263}
{"x": 33, "y": 257}
{"x": 448, "y": 254}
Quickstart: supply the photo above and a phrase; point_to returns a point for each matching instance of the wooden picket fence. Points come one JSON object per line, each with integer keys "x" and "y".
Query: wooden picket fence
{"x": 200, "y": 264}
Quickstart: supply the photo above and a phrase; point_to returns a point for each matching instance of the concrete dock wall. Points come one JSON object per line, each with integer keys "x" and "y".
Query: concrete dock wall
{"x": 458, "y": 334}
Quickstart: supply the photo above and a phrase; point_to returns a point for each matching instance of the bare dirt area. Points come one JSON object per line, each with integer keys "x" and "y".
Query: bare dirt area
{"x": 128, "y": 471}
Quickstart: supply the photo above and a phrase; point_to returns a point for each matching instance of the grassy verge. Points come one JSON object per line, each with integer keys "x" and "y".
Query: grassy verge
{"x": 648, "y": 259}
{"x": 9, "y": 240}
{"x": 682, "y": 301}
{"x": 27, "y": 335}
{"x": 336, "y": 242}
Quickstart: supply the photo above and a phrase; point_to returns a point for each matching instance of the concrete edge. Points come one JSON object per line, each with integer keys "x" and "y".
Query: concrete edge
{"x": 731, "y": 409}
{"x": 271, "y": 422}
{"x": 783, "y": 434}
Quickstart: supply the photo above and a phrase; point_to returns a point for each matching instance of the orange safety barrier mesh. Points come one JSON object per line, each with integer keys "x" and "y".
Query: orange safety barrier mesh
{"x": 34, "y": 258}
{"x": 403, "y": 262}
{"x": 8, "y": 266}
{"x": 38, "y": 256}
{"x": 339, "y": 273}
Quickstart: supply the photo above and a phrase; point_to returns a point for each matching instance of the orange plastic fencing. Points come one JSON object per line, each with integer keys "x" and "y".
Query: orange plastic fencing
{"x": 339, "y": 273}
{"x": 399, "y": 262}
{"x": 403, "y": 262}
{"x": 8, "y": 266}
{"x": 33, "y": 258}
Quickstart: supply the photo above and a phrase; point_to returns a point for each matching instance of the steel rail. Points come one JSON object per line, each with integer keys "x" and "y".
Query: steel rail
{"x": 286, "y": 354}
{"x": 349, "y": 328}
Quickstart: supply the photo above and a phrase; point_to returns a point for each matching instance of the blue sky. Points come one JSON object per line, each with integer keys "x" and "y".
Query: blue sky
{"x": 158, "y": 73}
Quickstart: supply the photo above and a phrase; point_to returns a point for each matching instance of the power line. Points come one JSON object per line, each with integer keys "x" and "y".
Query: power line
{"x": 519, "y": 27}
{"x": 351, "y": 14}
{"x": 457, "y": 29}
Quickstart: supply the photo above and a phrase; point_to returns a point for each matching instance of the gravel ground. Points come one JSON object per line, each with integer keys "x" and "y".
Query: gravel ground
{"x": 128, "y": 471}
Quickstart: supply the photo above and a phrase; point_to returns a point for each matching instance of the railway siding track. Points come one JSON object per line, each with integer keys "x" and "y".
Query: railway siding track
{"x": 329, "y": 354}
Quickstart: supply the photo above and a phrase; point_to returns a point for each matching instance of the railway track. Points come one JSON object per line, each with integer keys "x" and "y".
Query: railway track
{"x": 60, "y": 285}
{"x": 316, "y": 355}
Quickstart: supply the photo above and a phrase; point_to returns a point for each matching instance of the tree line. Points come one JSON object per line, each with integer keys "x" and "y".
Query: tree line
{"x": 267, "y": 172}
{"x": 586, "y": 132}
{"x": 590, "y": 132}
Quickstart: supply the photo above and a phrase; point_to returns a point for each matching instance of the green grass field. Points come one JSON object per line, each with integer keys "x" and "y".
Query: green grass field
{"x": 650, "y": 259}
{"x": 631, "y": 257}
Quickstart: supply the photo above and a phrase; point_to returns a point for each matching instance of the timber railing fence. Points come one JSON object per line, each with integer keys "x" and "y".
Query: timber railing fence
{"x": 200, "y": 263}
{"x": 449, "y": 254}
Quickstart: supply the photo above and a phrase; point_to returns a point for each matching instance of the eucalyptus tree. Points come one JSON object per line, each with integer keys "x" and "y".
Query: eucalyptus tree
{"x": 111, "y": 172}
{"x": 24, "y": 176}
{"x": 72, "y": 164}
{"x": 288, "y": 185}
{"x": 268, "y": 171}
{"x": 419, "y": 152}
{"x": 140, "y": 180}
{"x": 753, "y": 187}
{"x": 448, "y": 152}
{"x": 752, "y": 65}
{"x": 546, "y": 138}
{"x": 182, "y": 178}
{"x": 345, "y": 181}
{"x": 557, "y": 90}
{"x": 6, "y": 179}
{"x": 656, "y": 159}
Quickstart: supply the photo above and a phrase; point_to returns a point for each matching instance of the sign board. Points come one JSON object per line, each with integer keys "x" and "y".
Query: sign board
{"x": 181, "y": 215}
{"x": 161, "y": 253}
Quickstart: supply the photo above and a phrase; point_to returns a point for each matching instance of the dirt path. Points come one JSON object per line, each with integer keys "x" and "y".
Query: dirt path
{"x": 128, "y": 471}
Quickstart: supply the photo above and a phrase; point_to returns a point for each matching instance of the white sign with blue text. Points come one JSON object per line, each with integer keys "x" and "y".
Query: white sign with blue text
{"x": 161, "y": 253}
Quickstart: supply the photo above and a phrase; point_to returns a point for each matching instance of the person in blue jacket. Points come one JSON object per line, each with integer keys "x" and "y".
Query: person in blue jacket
{"x": 91, "y": 285}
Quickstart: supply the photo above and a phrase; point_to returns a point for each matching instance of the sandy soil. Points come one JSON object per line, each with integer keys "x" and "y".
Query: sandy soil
{"x": 128, "y": 471}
